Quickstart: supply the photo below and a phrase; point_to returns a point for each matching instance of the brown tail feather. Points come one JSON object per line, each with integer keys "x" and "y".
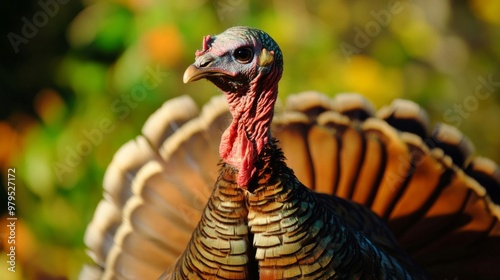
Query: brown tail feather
{"x": 371, "y": 172}
{"x": 420, "y": 190}
{"x": 405, "y": 115}
{"x": 351, "y": 155}
{"x": 291, "y": 129}
{"x": 129, "y": 159}
{"x": 310, "y": 103}
{"x": 324, "y": 157}
{"x": 453, "y": 143}
{"x": 168, "y": 119}
{"x": 397, "y": 167}
{"x": 99, "y": 237}
{"x": 353, "y": 105}
{"x": 487, "y": 173}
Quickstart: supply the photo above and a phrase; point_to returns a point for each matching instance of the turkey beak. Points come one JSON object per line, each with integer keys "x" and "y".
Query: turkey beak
{"x": 194, "y": 73}
{"x": 200, "y": 69}
{"x": 204, "y": 67}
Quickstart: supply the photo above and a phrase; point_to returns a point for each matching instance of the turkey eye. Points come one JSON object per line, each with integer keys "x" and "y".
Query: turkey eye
{"x": 243, "y": 55}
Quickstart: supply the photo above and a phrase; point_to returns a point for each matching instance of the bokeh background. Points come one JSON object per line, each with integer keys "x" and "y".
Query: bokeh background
{"x": 80, "y": 77}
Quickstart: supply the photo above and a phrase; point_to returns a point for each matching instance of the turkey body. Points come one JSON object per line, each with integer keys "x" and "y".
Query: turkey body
{"x": 360, "y": 195}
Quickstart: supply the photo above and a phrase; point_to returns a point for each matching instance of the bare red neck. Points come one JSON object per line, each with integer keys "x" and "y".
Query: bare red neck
{"x": 249, "y": 132}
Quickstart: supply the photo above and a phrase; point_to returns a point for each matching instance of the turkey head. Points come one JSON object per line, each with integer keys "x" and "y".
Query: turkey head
{"x": 246, "y": 64}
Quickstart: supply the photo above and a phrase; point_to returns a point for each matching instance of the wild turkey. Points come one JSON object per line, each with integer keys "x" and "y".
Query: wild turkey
{"x": 260, "y": 221}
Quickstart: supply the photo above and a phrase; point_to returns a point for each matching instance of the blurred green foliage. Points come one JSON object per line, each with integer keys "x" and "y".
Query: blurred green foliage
{"x": 124, "y": 58}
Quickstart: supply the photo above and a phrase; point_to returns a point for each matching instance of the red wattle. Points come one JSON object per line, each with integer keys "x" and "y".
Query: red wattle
{"x": 239, "y": 151}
